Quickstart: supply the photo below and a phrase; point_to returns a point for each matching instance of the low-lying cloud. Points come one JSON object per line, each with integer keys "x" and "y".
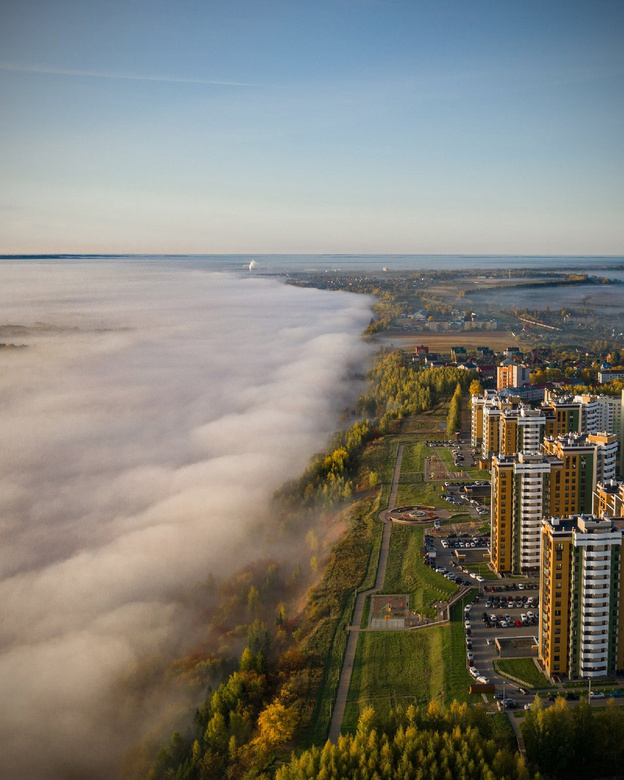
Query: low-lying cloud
{"x": 153, "y": 414}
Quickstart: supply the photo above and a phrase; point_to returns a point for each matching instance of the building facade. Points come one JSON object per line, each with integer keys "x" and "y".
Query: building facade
{"x": 581, "y": 588}
{"x": 526, "y": 487}
{"x": 511, "y": 374}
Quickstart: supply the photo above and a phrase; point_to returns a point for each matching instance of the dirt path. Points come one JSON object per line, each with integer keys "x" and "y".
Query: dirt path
{"x": 347, "y": 665}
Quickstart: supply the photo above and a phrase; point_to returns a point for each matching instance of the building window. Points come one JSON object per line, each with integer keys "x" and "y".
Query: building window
{"x": 557, "y": 657}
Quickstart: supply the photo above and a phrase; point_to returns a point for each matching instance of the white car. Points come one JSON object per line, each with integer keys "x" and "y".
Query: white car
{"x": 482, "y": 679}
{"x": 530, "y": 615}
{"x": 467, "y": 624}
{"x": 473, "y": 672}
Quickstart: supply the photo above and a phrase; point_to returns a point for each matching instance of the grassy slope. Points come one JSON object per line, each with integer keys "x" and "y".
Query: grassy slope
{"x": 524, "y": 669}
{"x": 406, "y": 572}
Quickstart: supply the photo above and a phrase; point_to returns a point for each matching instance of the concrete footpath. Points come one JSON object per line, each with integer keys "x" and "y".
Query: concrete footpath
{"x": 354, "y": 629}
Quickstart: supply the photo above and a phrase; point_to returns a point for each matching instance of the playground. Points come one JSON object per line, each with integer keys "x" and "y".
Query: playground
{"x": 392, "y": 612}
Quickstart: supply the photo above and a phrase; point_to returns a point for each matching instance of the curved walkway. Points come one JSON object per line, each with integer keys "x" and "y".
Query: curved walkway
{"x": 347, "y": 664}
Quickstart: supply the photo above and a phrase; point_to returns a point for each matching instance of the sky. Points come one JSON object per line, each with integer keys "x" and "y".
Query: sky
{"x": 335, "y": 126}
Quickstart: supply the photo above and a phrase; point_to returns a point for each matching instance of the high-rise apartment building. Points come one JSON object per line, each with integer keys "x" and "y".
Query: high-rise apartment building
{"x": 511, "y": 374}
{"x": 608, "y": 499}
{"x": 525, "y": 488}
{"x": 587, "y": 460}
{"x": 581, "y": 631}
{"x": 505, "y": 425}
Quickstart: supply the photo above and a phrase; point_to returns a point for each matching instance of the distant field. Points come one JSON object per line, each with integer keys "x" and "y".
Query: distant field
{"x": 442, "y": 342}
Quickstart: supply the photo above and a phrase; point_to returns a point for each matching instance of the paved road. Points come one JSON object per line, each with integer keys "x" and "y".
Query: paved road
{"x": 347, "y": 666}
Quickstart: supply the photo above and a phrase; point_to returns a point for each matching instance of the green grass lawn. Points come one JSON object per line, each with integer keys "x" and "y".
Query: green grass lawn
{"x": 393, "y": 667}
{"x": 482, "y": 569}
{"x": 379, "y": 456}
{"x": 406, "y": 572}
{"x": 524, "y": 669}
{"x": 365, "y": 613}
{"x": 404, "y": 667}
{"x": 479, "y": 474}
{"x": 457, "y": 680}
{"x": 447, "y": 458}
{"x": 420, "y": 493}
{"x": 414, "y": 457}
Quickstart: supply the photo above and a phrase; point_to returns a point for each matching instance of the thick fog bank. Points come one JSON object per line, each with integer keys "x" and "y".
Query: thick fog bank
{"x": 146, "y": 425}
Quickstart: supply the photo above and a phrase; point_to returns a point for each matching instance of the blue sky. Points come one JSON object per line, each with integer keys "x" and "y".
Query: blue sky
{"x": 381, "y": 126}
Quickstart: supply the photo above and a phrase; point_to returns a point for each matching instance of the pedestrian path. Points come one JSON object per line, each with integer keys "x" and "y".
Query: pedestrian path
{"x": 347, "y": 666}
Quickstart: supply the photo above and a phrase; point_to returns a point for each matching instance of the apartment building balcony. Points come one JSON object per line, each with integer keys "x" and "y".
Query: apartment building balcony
{"x": 596, "y": 580}
{"x": 598, "y": 568}
{"x": 594, "y": 671}
{"x": 590, "y": 607}
{"x": 595, "y": 589}
{"x": 595, "y": 616}
{"x": 597, "y": 555}
{"x": 595, "y": 640}
{"x": 594, "y": 658}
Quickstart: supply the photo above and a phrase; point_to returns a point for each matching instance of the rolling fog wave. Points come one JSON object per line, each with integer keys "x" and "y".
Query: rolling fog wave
{"x": 150, "y": 418}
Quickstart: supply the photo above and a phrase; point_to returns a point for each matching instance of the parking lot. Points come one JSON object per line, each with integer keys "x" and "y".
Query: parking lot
{"x": 503, "y": 608}
{"x": 463, "y": 453}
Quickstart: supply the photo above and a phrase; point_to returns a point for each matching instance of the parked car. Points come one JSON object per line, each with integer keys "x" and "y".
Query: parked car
{"x": 596, "y": 695}
{"x": 617, "y": 694}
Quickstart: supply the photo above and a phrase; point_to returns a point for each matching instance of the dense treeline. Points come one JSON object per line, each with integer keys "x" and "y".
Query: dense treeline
{"x": 575, "y": 742}
{"x": 235, "y": 731}
{"x": 416, "y": 744}
{"x": 327, "y": 480}
{"x": 453, "y": 421}
{"x": 400, "y": 390}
